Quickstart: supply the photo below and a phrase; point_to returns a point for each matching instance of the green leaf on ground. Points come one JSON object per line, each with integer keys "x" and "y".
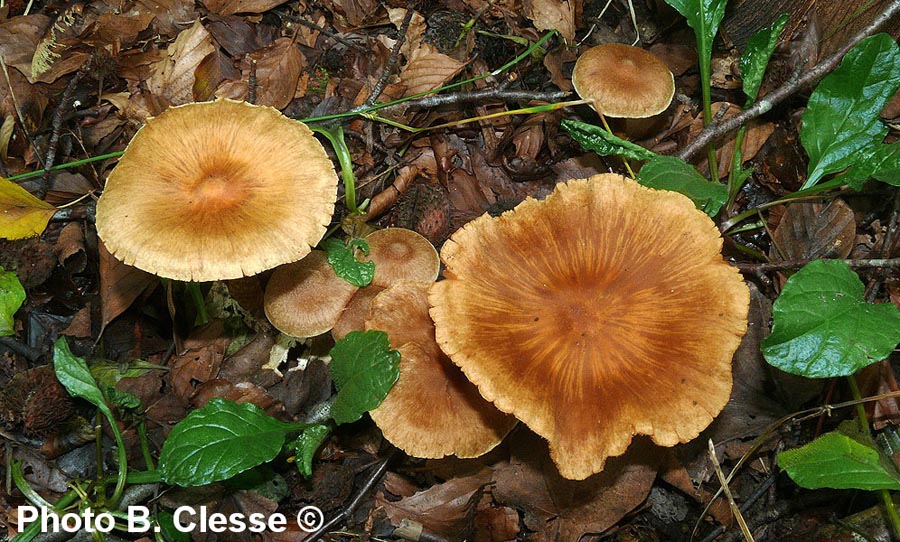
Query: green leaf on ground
{"x": 364, "y": 368}
{"x": 671, "y": 173}
{"x": 107, "y": 373}
{"x": 823, "y": 327}
{"x": 218, "y": 441}
{"x": 704, "y": 16}
{"x": 345, "y": 264}
{"x": 841, "y": 124}
{"x": 12, "y": 295}
{"x": 595, "y": 138}
{"x": 756, "y": 57}
{"x": 839, "y": 461}
{"x": 306, "y": 445}
{"x": 882, "y": 164}
{"x": 73, "y": 373}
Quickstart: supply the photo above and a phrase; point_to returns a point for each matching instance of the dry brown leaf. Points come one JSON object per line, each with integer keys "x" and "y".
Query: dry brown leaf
{"x": 446, "y": 509}
{"x": 556, "y": 15}
{"x": 554, "y": 61}
{"x": 172, "y": 78}
{"x": 230, "y": 7}
{"x": 201, "y": 360}
{"x": 496, "y": 523}
{"x": 814, "y": 230}
{"x": 70, "y": 248}
{"x": 352, "y": 14}
{"x": 19, "y": 37}
{"x": 757, "y": 135}
{"x": 80, "y": 326}
{"x": 120, "y": 285}
{"x": 428, "y": 69}
{"x": 561, "y": 509}
{"x": 170, "y": 16}
{"x": 414, "y": 32}
{"x": 278, "y": 70}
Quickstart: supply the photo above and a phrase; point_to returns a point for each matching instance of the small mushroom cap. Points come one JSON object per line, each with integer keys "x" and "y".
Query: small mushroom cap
{"x": 623, "y": 81}
{"x": 432, "y": 411}
{"x": 353, "y": 318}
{"x": 217, "y": 190}
{"x": 602, "y": 312}
{"x": 305, "y": 298}
{"x": 402, "y": 254}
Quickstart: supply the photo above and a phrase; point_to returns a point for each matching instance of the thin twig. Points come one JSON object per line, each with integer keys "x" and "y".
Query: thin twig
{"x": 745, "y": 506}
{"x": 18, "y": 109}
{"x": 487, "y": 94}
{"x": 888, "y": 240}
{"x": 738, "y": 516}
{"x": 252, "y": 83}
{"x": 876, "y": 263}
{"x": 57, "y": 123}
{"x": 391, "y": 63}
{"x": 351, "y": 507}
{"x": 778, "y": 95}
{"x": 325, "y": 31}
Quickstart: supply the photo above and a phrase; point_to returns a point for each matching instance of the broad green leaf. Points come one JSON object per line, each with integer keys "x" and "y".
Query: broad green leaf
{"x": 345, "y": 264}
{"x": 21, "y": 214}
{"x": 704, "y": 17}
{"x": 12, "y": 295}
{"x": 838, "y": 461}
{"x": 363, "y": 368}
{"x": 306, "y": 445}
{"x": 671, "y": 173}
{"x": 218, "y": 441}
{"x": 823, "y": 327}
{"x": 882, "y": 164}
{"x": 166, "y": 521}
{"x": 595, "y": 138}
{"x": 108, "y": 373}
{"x": 756, "y": 57}
{"x": 73, "y": 373}
{"x": 841, "y": 124}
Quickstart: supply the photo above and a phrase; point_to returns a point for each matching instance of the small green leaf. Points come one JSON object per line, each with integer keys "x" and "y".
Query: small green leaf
{"x": 12, "y": 295}
{"x": 345, "y": 264}
{"x": 756, "y": 57}
{"x": 594, "y": 138}
{"x": 218, "y": 441}
{"x": 306, "y": 445}
{"x": 363, "y": 368}
{"x": 839, "y": 461}
{"x": 166, "y": 521}
{"x": 123, "y": 400}
{"x": 108, "y": 373}
{"x": 841, "y": 124}
{"x": 882, "y": 164}
{"x": 822, "y": 326}
{"x": 73, "y": 373}
{"x": 671, "y": 173}
{"x": 704, "y": 16}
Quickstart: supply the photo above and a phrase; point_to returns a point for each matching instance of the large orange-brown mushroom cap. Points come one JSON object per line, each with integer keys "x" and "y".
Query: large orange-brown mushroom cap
{"x": 432, "y": 411}
{"x": 603, "y": 312}
{"x": 623, "y": 81}
{"x": 217, "y": 190}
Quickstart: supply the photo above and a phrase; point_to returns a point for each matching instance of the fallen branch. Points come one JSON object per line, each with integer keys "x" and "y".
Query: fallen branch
{"x": 875, "y": 263}
{"x": 770, "y": 100}
{"x": 391, "y": 63}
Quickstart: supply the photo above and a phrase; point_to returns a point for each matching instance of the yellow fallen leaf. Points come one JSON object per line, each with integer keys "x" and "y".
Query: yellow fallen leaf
{"x": 21, "y": 214}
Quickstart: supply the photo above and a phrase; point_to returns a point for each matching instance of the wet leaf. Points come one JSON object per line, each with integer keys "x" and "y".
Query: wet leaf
{"x": 882, "y": 164}
{"x": 756, "y": 57}
{"x": 12, "y": 295}
{"x": 595, "y": 138}
{"x": 345, "y": 264}
{"x": 218, "y": 441}
{"x": 815, "y": 230}
{"x": 21, "y": 214}
{"x": 73, "y": 373}
{"x": 364, "y": 368}
{"x": 841, "y": 124}
{"x": 839, "y": 461}
{"x": 670, "y": 173}
{"x": 306, "y": 445}
{"x": 822, "y": 327}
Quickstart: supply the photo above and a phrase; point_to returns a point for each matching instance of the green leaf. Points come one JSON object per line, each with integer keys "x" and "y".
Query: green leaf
{"x": 364, "y": 368}
{"x": 306, "y": 445}
{"x": 73, "y": 373}
{"x": 822, "y": 326}
{"x": 595, "y": 138}
{"x": 108, "y": 373}
{"x": 12, "y": 295}
{"x": 671, "y": 173}
{"x": 839, "y": 461}
{"x": 756, "y": 57}
{"x": 218, "y": 441}
{"x": 841, "y": 124}
{"x": 882, "y": 164}
{"x": 704, "y": 17}
{"x": 166, "y": 521}
{"x": 345, "y": 264}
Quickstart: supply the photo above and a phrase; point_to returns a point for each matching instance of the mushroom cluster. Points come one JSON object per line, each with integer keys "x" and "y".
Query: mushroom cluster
{"x": 217, "y": 190}
{"x": 603, "y": 312}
